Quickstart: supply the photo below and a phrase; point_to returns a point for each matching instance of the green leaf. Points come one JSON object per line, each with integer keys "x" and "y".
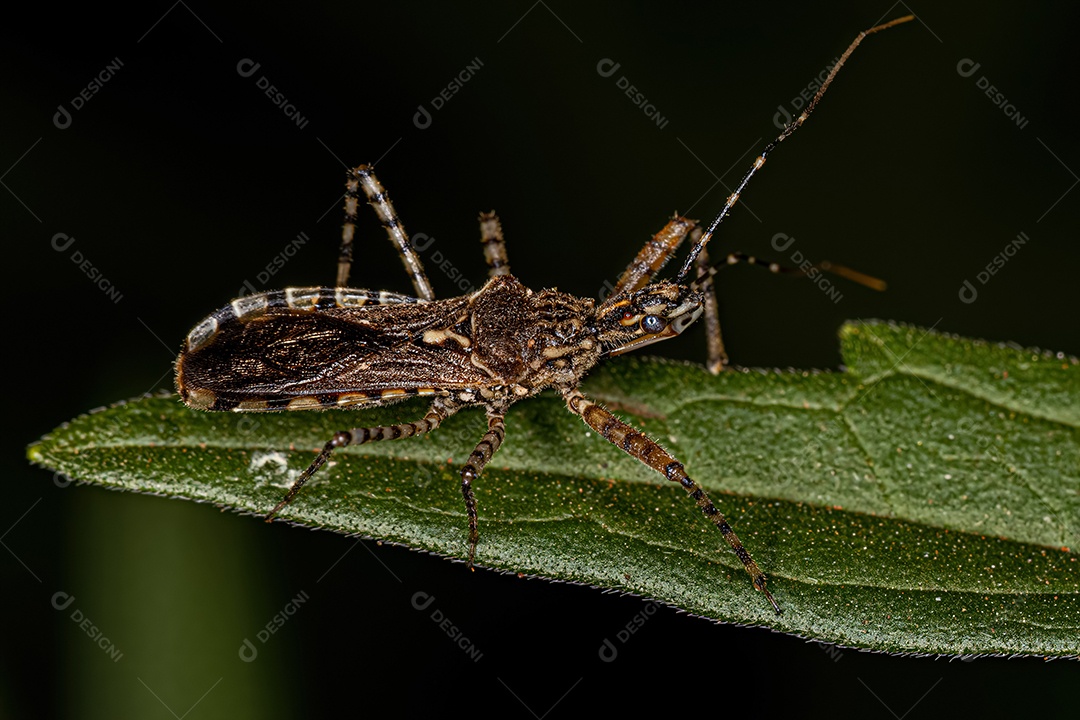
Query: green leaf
{"x": 926, "y": 500}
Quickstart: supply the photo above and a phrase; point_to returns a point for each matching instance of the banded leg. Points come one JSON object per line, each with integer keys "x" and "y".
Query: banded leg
{"x": 650, "y": 453}
{"x": 438, "y": 412}
{"x": 705, "y": 272}
{"x": 654, "y": 255}
{"x": 364, "y": 178}
{"x": 824, "y": 266}
{"x": 491, "y": 236}
{"x": 784, "y": 135}
{"x": 487, "y": 447}
{"x": 716, "y": 358}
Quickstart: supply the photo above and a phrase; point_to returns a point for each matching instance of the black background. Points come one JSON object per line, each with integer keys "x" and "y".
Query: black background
{"x": 179, "y": 180}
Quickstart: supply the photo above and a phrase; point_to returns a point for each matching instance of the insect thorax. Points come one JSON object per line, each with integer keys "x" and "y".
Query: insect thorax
{"x": 532, "y": 339}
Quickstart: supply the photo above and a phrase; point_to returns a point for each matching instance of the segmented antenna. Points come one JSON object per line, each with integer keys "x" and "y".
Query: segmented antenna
{"x": 760, "y": 160}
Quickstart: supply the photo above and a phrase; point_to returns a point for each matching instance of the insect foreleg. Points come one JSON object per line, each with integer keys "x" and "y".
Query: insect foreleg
{"x": 358, "y": 436}
{"x": 654, "y": 255}
{"x": 487, "y": 447}
{"x": 646, "y": 450}
{"x": 717, "y": 356}
{"x": 716, "y": 359}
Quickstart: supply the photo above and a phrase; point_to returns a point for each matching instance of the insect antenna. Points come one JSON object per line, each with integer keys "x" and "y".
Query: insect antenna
{"x": 787, "y": 131}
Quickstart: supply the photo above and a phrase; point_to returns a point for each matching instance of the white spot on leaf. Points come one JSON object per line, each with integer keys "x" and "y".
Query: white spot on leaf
{"x": 272, "y": 468}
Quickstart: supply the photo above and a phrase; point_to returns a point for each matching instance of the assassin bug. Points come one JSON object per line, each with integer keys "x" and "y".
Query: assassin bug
{"x": 336, "y": 347}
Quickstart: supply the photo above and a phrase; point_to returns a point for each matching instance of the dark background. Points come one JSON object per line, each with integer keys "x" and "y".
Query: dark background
{"x": 179, "y": 180}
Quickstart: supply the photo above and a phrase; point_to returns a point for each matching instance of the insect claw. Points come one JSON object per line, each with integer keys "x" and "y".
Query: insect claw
{"x": 771, "y": 599}
{"x": 759, "y": 583}
{"x": 277, "y": 508}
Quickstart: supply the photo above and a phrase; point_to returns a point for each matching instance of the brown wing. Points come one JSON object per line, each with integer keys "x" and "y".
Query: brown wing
{"x": 267, "y": 356}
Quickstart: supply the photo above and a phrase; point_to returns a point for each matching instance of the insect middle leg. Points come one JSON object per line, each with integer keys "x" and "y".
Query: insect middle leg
{"x": 479, "y": 458}
{"x": 650, "y": 453}
{"x": 439, "y": 411}
{"x": 364, "y": 178}
{"x": 491, "y": 236}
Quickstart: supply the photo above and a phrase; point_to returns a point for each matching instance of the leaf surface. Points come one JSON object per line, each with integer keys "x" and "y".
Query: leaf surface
{"x": 925, "y": 500}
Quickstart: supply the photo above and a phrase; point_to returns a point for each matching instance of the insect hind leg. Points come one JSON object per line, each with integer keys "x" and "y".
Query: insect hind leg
{"x": 438, "y": 412}
{"x": 363, "y": 178}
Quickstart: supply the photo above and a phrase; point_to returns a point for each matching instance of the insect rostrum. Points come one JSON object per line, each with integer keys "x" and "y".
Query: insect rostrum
{"x": 336, "y": 347}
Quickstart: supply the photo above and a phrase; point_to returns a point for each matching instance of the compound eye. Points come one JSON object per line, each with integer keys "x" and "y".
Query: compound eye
{"x": 652, "y": 324}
